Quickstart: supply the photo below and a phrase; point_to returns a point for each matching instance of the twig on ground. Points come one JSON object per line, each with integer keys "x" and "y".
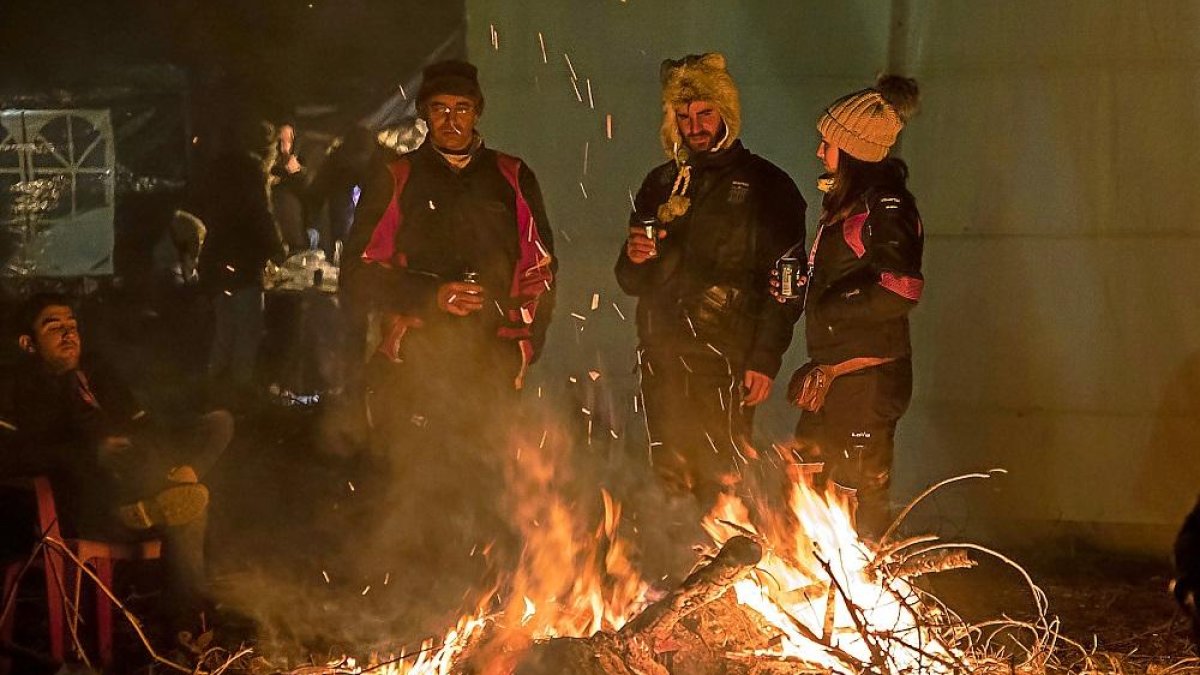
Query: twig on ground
{"x": 991, "y": 473}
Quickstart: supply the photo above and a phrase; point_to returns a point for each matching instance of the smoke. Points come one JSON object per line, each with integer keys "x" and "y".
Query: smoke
{"x": 440, "y": 515}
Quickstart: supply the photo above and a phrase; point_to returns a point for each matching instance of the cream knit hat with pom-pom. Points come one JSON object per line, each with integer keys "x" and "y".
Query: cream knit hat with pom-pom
{"x": 865, "y": 124}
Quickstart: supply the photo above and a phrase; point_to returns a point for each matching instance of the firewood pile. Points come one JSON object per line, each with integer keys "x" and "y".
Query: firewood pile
{"x": 700, "y": 627}
{"x": 800, "y": 594}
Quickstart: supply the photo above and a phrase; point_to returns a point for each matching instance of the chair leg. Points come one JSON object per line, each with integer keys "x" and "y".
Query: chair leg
{"x": 10, "y": 583}
{"x": 6, "y": 626}
{"x": 56, "y": 587}
{"x": 104, "y": 611}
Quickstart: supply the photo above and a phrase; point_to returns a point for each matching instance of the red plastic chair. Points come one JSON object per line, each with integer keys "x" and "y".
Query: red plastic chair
{"x": 99, "y": 555}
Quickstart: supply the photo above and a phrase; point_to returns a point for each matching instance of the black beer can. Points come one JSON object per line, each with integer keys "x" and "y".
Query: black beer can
{"x": 789, "y": 277}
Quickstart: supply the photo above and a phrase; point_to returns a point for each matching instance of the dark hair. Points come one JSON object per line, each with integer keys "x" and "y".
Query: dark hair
{"x": 852, "y": 180}
{"x": 27, "y": 312}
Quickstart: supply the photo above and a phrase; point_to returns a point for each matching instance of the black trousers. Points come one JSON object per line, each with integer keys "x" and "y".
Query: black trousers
{"x": 695, "y": 420}
{"x": 854, "y": 435}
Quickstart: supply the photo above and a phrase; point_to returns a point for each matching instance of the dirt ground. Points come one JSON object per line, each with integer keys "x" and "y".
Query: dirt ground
{"x": 1117, "y": 606}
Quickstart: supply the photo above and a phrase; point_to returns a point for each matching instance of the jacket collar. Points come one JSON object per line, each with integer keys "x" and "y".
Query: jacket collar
{"x": 720, "y": 158}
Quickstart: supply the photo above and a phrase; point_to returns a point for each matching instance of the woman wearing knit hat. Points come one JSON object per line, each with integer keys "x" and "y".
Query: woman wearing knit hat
{"x": 864, "y": 277}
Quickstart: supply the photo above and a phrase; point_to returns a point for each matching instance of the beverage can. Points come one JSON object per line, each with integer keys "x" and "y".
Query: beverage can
{"x": 789, "y": 277}
{"x": 471, "y": 277}
{"x": 650, "y": 228}
{"x": 650, "y": 225}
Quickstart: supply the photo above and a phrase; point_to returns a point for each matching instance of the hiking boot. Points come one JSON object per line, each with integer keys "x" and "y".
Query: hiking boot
{"x": 177, "y": 505}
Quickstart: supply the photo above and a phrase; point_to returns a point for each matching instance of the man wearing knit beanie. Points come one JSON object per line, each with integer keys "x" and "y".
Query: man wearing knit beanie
{"x": 452, "y": 246}
{"x": 864, "y": 280}
{"x": 707, "y": 229}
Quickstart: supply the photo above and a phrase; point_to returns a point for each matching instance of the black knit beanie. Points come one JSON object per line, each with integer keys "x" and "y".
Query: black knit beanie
{"x": 457, "y": 78}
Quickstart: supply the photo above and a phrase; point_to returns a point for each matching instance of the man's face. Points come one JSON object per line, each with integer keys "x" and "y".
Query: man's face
{"x": 700, "y": 125}
{"x": 828, "y": 153}
{"x": 451, "y": 121}
{"x": 54, "y": 338}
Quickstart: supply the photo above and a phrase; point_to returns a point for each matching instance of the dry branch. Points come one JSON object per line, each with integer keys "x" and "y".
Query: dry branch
{"x": 701, "y": 587}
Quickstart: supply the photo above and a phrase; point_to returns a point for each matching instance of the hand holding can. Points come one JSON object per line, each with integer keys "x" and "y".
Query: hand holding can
{"x": 642, "y": 242}
{"x": 788, "y": 279}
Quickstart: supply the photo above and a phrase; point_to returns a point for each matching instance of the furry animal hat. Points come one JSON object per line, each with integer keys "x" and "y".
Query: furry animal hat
{"x": 697, "y": 77}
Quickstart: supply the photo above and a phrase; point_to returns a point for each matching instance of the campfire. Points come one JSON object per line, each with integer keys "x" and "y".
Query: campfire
{"x": 790, "y": 590}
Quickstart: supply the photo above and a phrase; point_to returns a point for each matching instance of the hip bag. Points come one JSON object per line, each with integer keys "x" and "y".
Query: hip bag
{"x": 811, "y": 382}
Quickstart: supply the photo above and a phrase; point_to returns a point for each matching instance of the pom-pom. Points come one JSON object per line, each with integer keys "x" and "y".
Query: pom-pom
{"x": 675, "y": 206}
{"x": 901, "y": 93}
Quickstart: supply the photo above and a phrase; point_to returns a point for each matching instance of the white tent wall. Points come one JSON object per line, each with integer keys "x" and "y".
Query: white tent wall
{"x": 1058, "y": 334}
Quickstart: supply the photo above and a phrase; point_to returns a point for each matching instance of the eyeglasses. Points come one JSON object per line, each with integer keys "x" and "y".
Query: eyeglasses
{"x": 461, "y": 110}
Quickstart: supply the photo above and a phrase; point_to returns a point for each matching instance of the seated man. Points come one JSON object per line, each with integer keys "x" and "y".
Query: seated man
{"x": 65, "y": 415}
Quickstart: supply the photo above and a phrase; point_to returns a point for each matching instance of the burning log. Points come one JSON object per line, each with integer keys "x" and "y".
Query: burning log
{"x": 701, "y": 587}
{"x": 636, "y": 647}
{"x": 932, "y": 563}
{"x": 911, "y": 568}
{"x": 656, "y": 630}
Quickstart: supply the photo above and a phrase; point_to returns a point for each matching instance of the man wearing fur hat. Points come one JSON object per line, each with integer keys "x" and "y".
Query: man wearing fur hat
{"x": 711, "y": 338}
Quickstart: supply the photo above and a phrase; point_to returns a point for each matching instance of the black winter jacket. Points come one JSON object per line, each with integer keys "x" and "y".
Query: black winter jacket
{"x": 51, "y": 424}
{"x": 866, "y": 278}
{"x": 708, "y": 288}
{"x": 451, "y": 222}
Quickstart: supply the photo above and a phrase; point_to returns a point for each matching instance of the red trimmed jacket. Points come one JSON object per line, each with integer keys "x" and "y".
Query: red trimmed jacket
{"x": 427, "y": 224}
{"x": 866, "y": 279}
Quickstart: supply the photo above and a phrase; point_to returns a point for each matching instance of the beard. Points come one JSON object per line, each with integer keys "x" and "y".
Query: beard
{"x": 700, "y": 142}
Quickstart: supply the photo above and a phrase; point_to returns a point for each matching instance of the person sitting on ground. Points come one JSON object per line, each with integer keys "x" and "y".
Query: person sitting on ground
{"x": 67, "y": 415}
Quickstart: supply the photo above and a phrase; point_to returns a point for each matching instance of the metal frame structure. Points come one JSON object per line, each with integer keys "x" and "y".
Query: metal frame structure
{"x": 37, "y": 173}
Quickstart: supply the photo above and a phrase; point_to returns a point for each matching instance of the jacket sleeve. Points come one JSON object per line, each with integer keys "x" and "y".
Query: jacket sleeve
{"x": 894, "y": 243}
{"x": 547, "y": 291}
{"x": 782, "y": 229}
{"x": 635, "y": 279}
{"x": 20, "y": 455}
{"x": 121, "y": 407}
{"x": 377, "y": 274}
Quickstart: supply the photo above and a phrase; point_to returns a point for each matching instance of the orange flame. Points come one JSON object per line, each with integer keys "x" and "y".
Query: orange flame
{"x": 818, "y": 584}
